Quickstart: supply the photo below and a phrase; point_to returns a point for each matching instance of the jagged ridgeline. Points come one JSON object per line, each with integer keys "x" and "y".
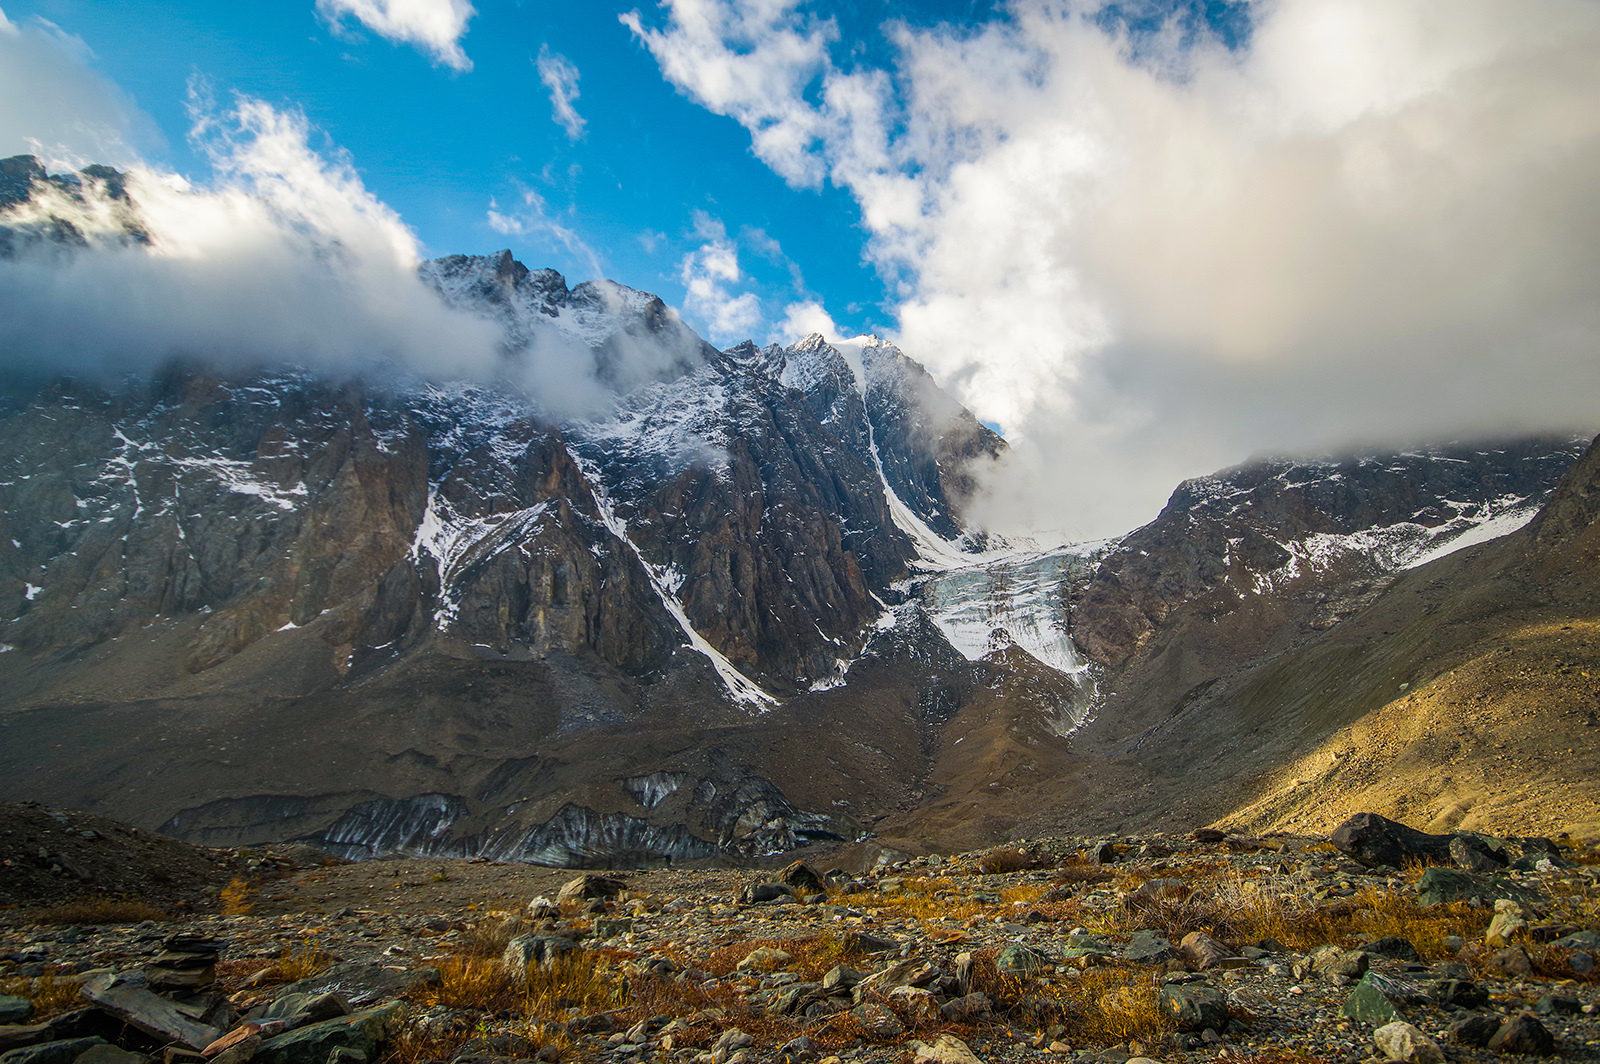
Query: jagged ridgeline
{"x": 621, "y": 598}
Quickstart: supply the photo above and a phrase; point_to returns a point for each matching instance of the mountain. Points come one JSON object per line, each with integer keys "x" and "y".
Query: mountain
{"x": 631, "y": 599}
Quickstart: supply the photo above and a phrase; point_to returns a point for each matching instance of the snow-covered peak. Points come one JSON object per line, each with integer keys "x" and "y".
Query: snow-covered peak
{"x": 527, "y": 301}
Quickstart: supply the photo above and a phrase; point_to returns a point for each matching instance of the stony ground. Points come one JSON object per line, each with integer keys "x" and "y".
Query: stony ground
{"x": 1173, "y": 949}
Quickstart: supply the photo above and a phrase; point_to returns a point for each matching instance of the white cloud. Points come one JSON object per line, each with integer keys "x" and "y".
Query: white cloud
{"x": 708, "y": 274}
{"x": 803, "y": 319}
{"x": 533, "y": 219}
{"x": 285, "y": 257}
{"x": 54, "y": 104}
{"x": 1373, "y": 222}
{"x": 561, "y": 78}
{"x": 434, "y": 26}
{"x": 750, "y": 60}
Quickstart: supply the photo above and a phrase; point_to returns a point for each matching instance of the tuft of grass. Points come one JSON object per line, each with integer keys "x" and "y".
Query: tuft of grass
{"x": 490, "y": 936}
{"x": 471, "y": 982}
{"x": 50, "y": 994}
{"x": 1102, "y": 1005}
{"x": 583, "y": 979}
{"x": 1003, "y": 859}
{"x": 810, "y": 957}
{"x": 294, "y": 965}
{"x": 98, "y": 910}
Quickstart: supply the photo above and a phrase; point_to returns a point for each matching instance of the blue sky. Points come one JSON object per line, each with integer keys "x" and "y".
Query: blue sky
{"x": 439, "y": 145}
{"x": 1149, "y": 238}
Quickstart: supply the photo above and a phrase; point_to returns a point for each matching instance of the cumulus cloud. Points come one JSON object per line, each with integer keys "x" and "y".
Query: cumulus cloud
{"x": 285, "y": 257}
{"x": 72, "y": 114}
{"x": 1372, "y": 221}
{"x": 433, "y": 26}
{"x": 560, "y": 76}
{"x": 709, "y": 274}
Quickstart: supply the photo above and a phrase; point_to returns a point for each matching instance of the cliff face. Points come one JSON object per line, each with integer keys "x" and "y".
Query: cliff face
{"x": 699, "y": 602}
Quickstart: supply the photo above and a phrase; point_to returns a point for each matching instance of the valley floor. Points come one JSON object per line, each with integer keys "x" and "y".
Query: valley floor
{"x": 1062, "y": 949}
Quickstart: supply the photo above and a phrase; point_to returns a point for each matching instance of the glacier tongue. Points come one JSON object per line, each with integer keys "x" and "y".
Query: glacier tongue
{"x": 1018, "y": 599}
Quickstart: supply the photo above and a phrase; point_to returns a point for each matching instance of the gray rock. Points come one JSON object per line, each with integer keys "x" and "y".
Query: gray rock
{"x": 764, "y": 893}
{"x": 1459, "y": 993}
{"x": 308, "y": 1008}
{"x": 154, "y": 1015}
{"x": 1018, "y": 960}
{"x": 1194, "y": 1006}
{"x": 14, "y": 1009}
{"x": 967, "y": 1008}
{"x": 1368, "y": 1004}
{"x": 1523, "y": 1033}
{"x": 1584, "y": 940}
{"x": 1474, "y": 1031}
{"x": 1439, "y": 886}
{"x": 589, "y": 886}
{"x": 364, "y": 1031}
{"x": 363, "y": 984}
{"x": 1399, "y": 1041}
{"x": 1147, "y": 947}
{"x": 52, "y": 1052}
{"x": 110, "y": 1055}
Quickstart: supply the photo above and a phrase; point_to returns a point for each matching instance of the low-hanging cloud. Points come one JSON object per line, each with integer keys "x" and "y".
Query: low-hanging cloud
{"x": 434, "y": 26}
{"x": 285, "y": 258}
{"x": 57, "y": 106}
{"x": 1372, "y": 221}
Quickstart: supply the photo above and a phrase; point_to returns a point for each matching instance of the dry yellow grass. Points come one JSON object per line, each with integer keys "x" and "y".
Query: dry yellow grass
{"x": 98, "y": 910}
{"x": 294, "y": 965}
{"x": 50, "y": 994}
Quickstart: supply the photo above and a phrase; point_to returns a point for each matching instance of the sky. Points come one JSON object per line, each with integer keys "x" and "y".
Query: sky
{"x": 1145, "y": 239}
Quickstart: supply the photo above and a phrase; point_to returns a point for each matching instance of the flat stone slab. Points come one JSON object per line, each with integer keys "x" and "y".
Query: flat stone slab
{"x": 150, "y": 1013}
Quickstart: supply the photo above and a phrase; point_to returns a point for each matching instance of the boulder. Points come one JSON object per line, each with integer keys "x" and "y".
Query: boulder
{"x": 1440, "y": 886}
{"x": 1194, "y": 1006}
{"x": 1402, "y": 1042}
{"x": 1147, "y": 947}
{"x": 1020, "y": 960}
{"x": 1369, "y": 1004}
{"x": 63, "y": 1052}
{"x": 363, "y": 984}
{"x": 1202, "y": 951}
{"x": 14, "y": 1009}
{"x": 362, "y": 1031}
{"x": 1344, "y": 966}
{"x": 1523, "y": 1033}
{"x": 1376, "y": 840}
{"x": 591, "y": 887}
{"x": 947, "y": 1049}
{"x": 803, "y": 879}
{"x": 147, "y": 1012}
{"x": 1474, "y": 1031}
